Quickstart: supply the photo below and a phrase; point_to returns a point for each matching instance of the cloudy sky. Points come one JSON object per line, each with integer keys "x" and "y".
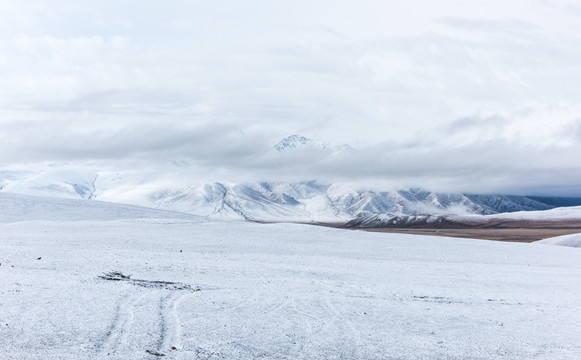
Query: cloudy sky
{"x": 467, "y": 96}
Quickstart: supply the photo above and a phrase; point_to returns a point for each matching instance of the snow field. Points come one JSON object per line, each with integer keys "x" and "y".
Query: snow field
{"x": 280, "y": 292}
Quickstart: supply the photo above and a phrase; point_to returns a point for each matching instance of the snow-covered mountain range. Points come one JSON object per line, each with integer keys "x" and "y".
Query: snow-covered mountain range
{"x": 306, "y": 202}
{"x": 173, "y": 189}
{"x": 313, "y": 202}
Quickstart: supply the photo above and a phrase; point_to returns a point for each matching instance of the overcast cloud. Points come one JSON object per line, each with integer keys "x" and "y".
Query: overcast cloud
{"x": 459, "y": 96}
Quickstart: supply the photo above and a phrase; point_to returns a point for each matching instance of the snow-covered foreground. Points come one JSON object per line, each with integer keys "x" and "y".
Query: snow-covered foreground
{"x": 279, "y": 292}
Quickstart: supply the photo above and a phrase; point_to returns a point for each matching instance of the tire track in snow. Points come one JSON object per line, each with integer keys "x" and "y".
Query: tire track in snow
{"x": 314, "y": 324}
{"x": 298, "y": 311}
{"x": 331, "y": 318}
{"x": 256, "y": 302}
{"x": 161, "y": 310}
{"x": 275, "y": 307}
{"x": 116, "y": 334}
{"x": 131, "y": 321}
{"x": 241, "y": 304}
{"x": 346, "y": 324}
{"x": 170, "y": 322}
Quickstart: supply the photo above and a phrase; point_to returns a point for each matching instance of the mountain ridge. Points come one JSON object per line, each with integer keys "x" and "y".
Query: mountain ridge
{"x": 305, "y": 202}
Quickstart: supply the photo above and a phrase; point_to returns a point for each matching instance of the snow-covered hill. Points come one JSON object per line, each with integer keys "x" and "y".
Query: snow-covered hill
{"x": 60, "y": 182}
{"x": 190, "y": 289}
{"x": 572, "y": 240}
{"x": 16, "y": 207}
{"x": 557, "y": 214}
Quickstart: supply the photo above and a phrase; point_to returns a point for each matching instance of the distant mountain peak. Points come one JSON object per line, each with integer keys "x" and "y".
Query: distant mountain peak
{"x": 297, "y": 142}
{"x": 294, "y": 142}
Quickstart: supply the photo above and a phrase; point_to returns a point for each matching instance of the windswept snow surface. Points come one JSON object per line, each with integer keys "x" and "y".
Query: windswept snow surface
{"x": 15, "y": 207}
{"x": 278, "y": 291}
{"x": 573, "y": 240}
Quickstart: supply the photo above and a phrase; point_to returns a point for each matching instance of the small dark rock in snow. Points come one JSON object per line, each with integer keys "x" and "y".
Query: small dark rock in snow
{"x": 154, "y": 353}
{"x": 39, "y": 258}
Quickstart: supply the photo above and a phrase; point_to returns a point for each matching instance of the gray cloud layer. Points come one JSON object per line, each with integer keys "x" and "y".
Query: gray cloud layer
{"x": 452, "y": 96}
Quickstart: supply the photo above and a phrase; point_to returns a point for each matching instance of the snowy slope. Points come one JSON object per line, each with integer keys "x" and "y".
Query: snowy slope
{"x": 573, "y": 240}
{"x": 59, "y": 182}
{"x": 572, "y": 213}
{"x": 566, "y": 213}
{"x": 239, "y": 290}
{"x": 508, "y": 203}
{"x": 25, "y": 208}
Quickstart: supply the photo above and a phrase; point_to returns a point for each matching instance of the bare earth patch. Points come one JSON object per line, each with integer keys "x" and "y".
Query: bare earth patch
{"x": 514, "y": 230}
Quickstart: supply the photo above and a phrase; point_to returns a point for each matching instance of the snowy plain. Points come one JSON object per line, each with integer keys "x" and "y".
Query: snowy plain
{"x": 209, "y": 289}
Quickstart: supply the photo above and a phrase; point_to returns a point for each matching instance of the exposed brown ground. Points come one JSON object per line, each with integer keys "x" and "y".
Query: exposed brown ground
{"x": 516, "y": 231}
{"x": 514, "y": 235}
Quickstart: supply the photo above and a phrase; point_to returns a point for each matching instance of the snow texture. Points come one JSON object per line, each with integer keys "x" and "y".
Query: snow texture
{"x": 572, "y": 240}
{"x": 74, "y": 288}
{"x": 17, "y": 207}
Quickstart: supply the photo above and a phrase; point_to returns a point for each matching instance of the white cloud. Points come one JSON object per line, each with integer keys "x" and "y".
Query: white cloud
{"x": 140, "y": 79}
